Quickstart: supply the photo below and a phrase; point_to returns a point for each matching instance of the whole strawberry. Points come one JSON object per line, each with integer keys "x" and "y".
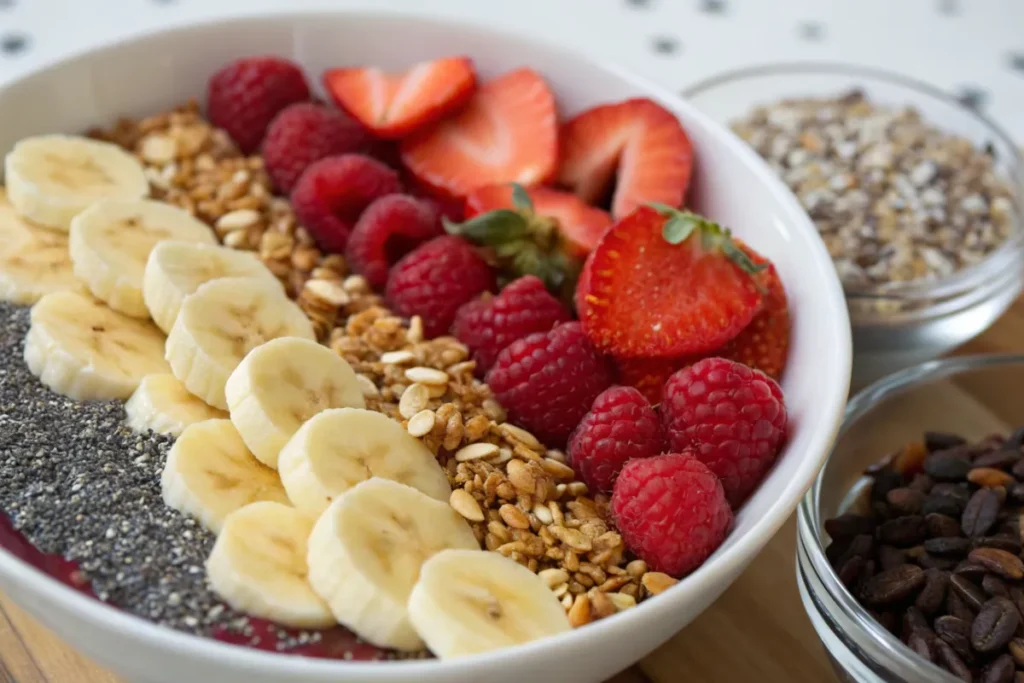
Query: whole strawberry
{"x": 332, "y": 193}
{"x": 435, "y": 279}
{"x": 671, "y": 512}
{"x": 548, "y": 380}
{"x": 490, "y": 323}
{"x": 731, "y": 416}
{"x": 387, "y": 230}
{"x": 620, "y": 426}
{"x": 304, "y": 133}
{"x": 244, "y": 96}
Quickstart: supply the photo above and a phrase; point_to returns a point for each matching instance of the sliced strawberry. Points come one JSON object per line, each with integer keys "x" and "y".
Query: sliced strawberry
{"x": 665, "y": 283}
{"x": 648, "y": 375}
{"x": 507, "y": 133}
{"x": 395, "y": 105}
{"x": 637, "y": 145}
{"x": 580, "y": 224}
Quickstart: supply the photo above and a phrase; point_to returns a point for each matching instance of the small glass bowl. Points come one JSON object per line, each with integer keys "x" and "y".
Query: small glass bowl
{"x": 898, "y": 325}
{"x": 969, "y": 395}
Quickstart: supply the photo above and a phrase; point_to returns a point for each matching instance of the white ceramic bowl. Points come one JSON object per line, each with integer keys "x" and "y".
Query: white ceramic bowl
{"x": 151, "y": 73}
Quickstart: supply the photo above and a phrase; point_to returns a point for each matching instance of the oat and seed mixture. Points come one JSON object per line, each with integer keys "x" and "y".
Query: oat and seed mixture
{"x": 894, "y": 198}
{"x": 521, "y": 499}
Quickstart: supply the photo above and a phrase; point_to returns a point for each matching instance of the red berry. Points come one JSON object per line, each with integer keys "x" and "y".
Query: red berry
{"x": 733, "y": 418}
{"x": 548, "y": 380}
{"x": 488, "y": 324}
{"x": 435, "y": 279}
{"x": 304, "y": 133}
{"x": 245, "y": 96}
{"x": 648, "y": 375}
{"x": 620, "y": 426}
{"x": 333, "y": 192}
{"x": 671, "y": 512}
{"x": 387, "y": 230}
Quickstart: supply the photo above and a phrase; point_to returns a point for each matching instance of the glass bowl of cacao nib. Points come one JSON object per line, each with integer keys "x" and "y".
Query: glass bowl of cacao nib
{"x": 918, "y": 197}
{"x": 909, "y": 555}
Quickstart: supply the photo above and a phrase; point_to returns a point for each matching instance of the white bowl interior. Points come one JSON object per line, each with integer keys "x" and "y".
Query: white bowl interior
{"x": 146, "y": 75}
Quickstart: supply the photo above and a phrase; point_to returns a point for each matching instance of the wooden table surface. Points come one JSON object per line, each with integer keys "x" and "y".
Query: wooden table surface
{"x": 757, "y": 630}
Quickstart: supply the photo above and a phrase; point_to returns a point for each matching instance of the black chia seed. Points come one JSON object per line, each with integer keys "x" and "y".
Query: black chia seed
{"x": 78, "y": 483}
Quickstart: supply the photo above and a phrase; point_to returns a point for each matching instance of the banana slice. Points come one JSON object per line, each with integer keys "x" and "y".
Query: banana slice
{"x": 471, "y": 601}
{"x": 283, "y": 383}
{"x": 34, "y": 261}
{"x": 366, "y": 551}
{"x": 176, "y": 269}
{"x": 51, "y": 178}
{"x": 338, "y": 448}
{"x": 163, "y": 405}
{"x": 210, "y": 473}
{"x": 220, "y": 323}
{"x": 110, "y": 244}
{"x": 258, "y": 566}
{"x": 80, "y": 348}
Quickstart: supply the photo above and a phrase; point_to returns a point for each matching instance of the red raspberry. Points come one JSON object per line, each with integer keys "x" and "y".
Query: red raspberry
{"x": 332, "y": 193}
{"x": 245, "y": 96}
{"x": 434, "y": 279}
{"x": 671, "y": 512}
{"x": 488, "y": 324}
{"x": 304, "y": 133}
{"x": 620, "y": 426}
{"x": 387, "y": 230}
{"x": 733, "y": 417}
{"x": 548, "y": 380}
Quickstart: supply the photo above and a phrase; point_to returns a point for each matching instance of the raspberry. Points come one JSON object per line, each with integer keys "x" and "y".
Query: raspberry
{"x": 488, "y": 324}
{"x": 671, "y": 512}
{"x": 620, "y": 426}
{"x": 548, "y": 380}
{"x": 434, "y": 279}
{"x": 245, "y": 96}
{"x": 387, "y": 230}
{"x": 304, "y": 133}
{"x": 733, "y": 417}
{"x": 332, "y": 193}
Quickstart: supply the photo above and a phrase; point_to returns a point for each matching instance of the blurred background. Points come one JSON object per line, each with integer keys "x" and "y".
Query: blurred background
{"x": 972, "y": 48}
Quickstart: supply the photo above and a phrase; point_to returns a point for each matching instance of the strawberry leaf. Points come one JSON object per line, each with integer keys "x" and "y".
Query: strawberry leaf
{"x": 663, "y": 209}
{"x": 521, "y": 198}
{"x": 679, "y": 227}
{"x": 490, "y": 229}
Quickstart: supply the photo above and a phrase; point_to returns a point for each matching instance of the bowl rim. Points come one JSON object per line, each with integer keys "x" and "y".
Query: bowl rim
{"x": 809, "y": 522}
{"x": 836, "y": 374}
{"x": 961, "y": 282}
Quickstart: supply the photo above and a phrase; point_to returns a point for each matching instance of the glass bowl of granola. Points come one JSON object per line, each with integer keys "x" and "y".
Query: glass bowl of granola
{"x": 917, "y": 196}
{"x": 298, "y": 468}
{"x": 909, "y": 542}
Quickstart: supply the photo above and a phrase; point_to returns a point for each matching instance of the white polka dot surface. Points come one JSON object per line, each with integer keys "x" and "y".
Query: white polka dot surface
{"x": 971, "y": 48}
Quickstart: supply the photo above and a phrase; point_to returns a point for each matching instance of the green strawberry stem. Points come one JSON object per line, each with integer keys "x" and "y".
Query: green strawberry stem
{"x": 681, "y": 225}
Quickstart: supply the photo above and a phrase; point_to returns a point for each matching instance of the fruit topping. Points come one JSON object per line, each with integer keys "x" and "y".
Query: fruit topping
{"x": 245, "y": 96}
{"x": 637, "y": 146}
{"x": 490, "y": 323}
{"x": 732, "y": 417}
{"x": 620, "y": 426}
{"x": 547, "y": 381}
{"x": 666, "y": 283}
{"x": 647, "y": 375}
{"x": 579, "y": 225}
{"x": 304, "y": 133}
{"x": 671, "y": 511}
{"x": 507, "y": 132}
{"x": 387, "y": 230}
{"x": 330, "y": 196}
{"x": 395, "y": 105}
{"x": 435, "y": 279}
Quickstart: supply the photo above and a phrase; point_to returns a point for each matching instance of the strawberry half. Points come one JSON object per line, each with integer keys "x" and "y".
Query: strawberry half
{"x": 395, "y": 105}
{"x": 580, "y": 225}
{"x": 666, "y": 283}
{"x": 637, "y": 145}
{"x": 506, "y": 133}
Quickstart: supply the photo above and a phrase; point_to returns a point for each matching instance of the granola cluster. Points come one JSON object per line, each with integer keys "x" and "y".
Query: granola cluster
{"x": 521, "y": 499}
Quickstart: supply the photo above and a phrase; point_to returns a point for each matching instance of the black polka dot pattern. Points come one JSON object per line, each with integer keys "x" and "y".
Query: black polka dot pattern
{"x": 13, "y": 43}
{"x": 665, "y": 45}
{"x": 811, "y": 31}
{"x": 639, "y": 4}
{"x": 972, "y": 96}
{"x": 1017, "y": 62}
{"x": 713, "y": 6}
{"x": 949, "y": 7}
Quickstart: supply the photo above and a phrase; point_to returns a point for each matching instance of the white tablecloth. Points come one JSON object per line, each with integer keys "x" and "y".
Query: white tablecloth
{"x": 970, "y": 47}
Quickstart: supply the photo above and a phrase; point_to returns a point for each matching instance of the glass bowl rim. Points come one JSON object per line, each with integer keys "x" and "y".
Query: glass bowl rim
{"x": 961, "y": 282}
